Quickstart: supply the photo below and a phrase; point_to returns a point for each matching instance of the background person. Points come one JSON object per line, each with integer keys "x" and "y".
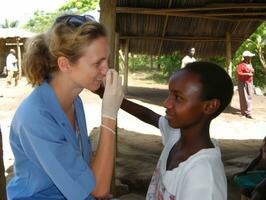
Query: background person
{"x": 48, "y": 134}
{"x": 189, "y": 58}
{"x": 245, "y": 73}
{"x": 12, "y": 67}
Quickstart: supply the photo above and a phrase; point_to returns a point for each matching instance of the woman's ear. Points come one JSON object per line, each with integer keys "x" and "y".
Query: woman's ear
{"x": 63, "y": 63}
{"x": 211, "y": 106}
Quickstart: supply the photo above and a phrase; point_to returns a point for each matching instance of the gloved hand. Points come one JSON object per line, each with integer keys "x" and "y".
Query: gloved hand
{"x": 113, "y": 95}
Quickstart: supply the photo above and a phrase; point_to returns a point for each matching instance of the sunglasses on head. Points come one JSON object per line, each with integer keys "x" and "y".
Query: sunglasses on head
{"x": 75, "y": 20}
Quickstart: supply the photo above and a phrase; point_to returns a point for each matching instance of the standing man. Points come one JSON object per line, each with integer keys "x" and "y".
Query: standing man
{"x": 188, "y": 58}
{"x": 245, "y": 73}
{"x": 12, "y": 67}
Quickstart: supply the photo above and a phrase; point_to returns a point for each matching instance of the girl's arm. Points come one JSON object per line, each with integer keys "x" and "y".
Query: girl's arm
{"x": 142, "y": 113}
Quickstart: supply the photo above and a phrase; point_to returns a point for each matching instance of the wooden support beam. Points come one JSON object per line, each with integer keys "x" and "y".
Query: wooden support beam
{"x": 226, "y": 6}
{"x": 173, "y": 14}
{"x": 187, "y": 12}
{"x": 108, "y": 19}
{"x": 126, "y": 51}
{"x": 117, "y": 46}
{"x": 209, "y": 7}
{"x": 19, "y": 58}
{"x": 181, "y": 38}
{"x": 235, "y": 14}
{"x": 14, "y": 44}
{"x": 164, "y": 29}
{"x": 229, "y": 53}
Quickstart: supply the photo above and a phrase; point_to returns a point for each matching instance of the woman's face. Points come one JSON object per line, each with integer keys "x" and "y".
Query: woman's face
{"x": 90, "y": 69}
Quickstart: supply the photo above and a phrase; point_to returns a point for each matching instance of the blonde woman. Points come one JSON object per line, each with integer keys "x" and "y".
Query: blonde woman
{"x": 48, "y": 134}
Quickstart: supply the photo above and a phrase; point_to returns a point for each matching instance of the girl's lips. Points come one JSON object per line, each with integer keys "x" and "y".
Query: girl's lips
{"x": 168, "y": 116}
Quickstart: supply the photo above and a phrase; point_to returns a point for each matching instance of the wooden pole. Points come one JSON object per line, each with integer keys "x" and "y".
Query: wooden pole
{"x": 108, "y": 19}
{"x": 117, "y": 46}
{"x": 2, "y": 172}
{"x": 229, "y": 53}
{"x": 126, "y": 50}
{"x": 19, "y": 57}
{"x": 151, "y": 62}
{"x": 133, "y": 62}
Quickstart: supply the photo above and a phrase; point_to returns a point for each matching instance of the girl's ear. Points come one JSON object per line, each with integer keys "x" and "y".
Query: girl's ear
{"x": 211, "y": 106}
{"x": 63, "y": 63}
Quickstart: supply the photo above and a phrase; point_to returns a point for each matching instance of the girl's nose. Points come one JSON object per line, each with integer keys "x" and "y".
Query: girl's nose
{"x": 167, "y": 102}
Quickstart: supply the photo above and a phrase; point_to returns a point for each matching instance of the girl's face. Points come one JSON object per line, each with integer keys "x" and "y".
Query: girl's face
{"x": 184, "y": 106}
{"x": 90, "y": 69}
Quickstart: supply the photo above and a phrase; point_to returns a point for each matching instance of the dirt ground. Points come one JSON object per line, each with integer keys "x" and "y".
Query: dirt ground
{"x": 139, "y": 145}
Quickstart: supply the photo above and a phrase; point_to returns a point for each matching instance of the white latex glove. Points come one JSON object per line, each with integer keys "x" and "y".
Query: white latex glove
{"x": 113, "y": 95}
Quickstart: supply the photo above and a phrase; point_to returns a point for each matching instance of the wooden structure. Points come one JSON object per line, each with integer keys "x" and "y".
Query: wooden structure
{"x": 213, "y": 27}
{"x": 12, "y": 38}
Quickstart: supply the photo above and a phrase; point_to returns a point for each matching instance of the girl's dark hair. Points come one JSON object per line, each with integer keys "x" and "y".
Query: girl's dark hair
{"x": 67, "y": 37}
{"x": 216, "y": 83}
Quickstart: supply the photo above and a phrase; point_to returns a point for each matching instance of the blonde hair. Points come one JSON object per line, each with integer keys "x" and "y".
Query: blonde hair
{"x": 63, "y": 39}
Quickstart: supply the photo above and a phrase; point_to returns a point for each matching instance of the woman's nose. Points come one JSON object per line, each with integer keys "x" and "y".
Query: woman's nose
{"x": 104, "y": 68}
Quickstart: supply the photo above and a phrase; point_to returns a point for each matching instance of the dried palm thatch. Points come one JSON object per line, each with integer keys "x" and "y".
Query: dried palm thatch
{"x": 165, "y": 26}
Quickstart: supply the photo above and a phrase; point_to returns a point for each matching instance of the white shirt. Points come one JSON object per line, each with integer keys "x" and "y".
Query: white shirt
{"x": 11, "y": 62}
{"x": 186, "y": 60}
{"x": 201, "y": 176}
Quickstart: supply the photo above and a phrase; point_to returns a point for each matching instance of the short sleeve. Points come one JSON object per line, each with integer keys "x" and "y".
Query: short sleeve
{"x": 167, "y": 132}
{"x": 44, "y": 142}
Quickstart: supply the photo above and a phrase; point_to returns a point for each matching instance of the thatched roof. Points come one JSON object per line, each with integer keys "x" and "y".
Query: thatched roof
{"x": 14, "y": 32}
{"x": 164, "y": 26}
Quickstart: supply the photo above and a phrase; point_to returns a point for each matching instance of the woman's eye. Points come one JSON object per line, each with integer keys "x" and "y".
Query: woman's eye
{"x": 98, "y": 64}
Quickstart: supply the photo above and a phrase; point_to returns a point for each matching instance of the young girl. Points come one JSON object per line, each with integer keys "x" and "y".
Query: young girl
{"x": 48, "y": 134}
{"x": 190, "y": 165}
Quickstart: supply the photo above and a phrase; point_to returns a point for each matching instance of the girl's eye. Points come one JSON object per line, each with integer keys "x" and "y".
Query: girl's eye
{"x": 178, "y": 98}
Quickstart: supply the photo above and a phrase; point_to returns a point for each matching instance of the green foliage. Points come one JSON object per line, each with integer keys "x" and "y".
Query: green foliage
{"x": 162, "y": 67}
{"x": 139, "y": 63}
{"x": 167, "y": 64}
{"x": 10, "y": 24}
{"x": 41, "y": 20}
{"x": 170, "y": 63}
{"x": 253, "y": 43}
{"x": 79, "y": 6}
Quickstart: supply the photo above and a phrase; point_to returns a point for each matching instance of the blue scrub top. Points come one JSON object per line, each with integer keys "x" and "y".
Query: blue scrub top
{"x": 48, "y": 161}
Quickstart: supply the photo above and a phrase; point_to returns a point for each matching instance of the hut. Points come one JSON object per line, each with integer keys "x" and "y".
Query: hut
{"x": 213, "y": 27}
{"x": 12, "y": 38}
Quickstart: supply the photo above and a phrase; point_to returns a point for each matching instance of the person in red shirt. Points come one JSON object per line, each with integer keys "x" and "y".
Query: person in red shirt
{"x": 245, "y": 73}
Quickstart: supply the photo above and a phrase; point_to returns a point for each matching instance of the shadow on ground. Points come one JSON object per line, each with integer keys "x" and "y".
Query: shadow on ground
{"x": 148, "y": 95}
